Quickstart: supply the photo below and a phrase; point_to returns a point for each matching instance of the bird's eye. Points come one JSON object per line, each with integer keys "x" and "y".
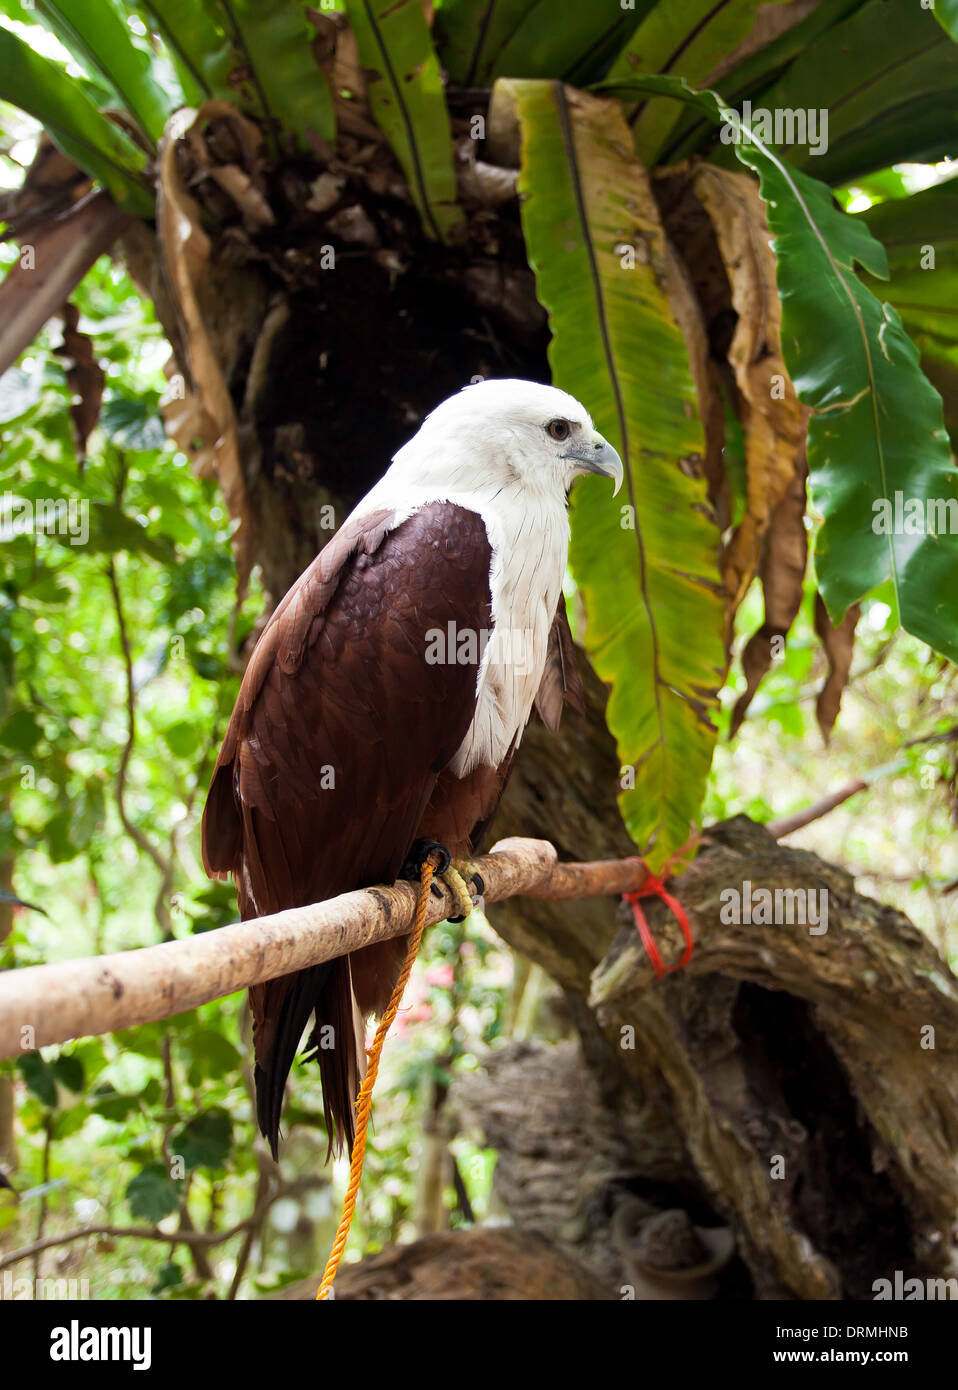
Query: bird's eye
{"x": 558, "y": 429}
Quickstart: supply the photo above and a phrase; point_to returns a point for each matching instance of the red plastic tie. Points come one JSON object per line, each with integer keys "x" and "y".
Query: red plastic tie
{"x": 654, "y": 887}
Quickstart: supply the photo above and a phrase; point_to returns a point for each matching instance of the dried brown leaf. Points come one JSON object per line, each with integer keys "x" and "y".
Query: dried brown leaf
{"x": 185, "y": 251}
{"x": 337, "y": 54}
{"x": 85, "y": 377}
{"x": 688, "y": 315}
{"x": 325, "y": 192}
{"x": 254, "y": 209}
{"x": 782, "y": 572}
{"x": 185, "y": 421}
{"x": 773, "y": 420}
{"x": 839, "y": 644}
{"x": 481, "y": 184}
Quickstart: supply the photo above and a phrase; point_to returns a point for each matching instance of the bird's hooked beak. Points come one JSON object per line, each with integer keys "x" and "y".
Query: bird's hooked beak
{"x": 599, "y": 457}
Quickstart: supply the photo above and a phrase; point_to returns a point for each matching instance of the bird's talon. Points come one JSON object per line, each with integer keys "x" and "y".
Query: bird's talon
{"x": 453, "y": 878}
{"x": 417, "y": 856}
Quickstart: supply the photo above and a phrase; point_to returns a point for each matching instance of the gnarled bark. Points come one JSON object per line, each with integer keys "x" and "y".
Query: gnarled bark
{"x": 802, "y": 1083}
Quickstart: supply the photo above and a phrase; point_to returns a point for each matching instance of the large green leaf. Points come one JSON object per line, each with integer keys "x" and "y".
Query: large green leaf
{"x": 43, "y": 89}
{"x": 946, "y": 13}
{"x": 407, "y": 101}
{"x": 759, "y": 70}
{"x": 893, "y": 101}
{"x": 480, "y": 40}
{"x": 256, "y": 56}
{"x": 647, "y": 571}
{"x": 197, "y": 44}
{"x": 98, "y": 36}
{"x": 283, "y": 82}
{"x": 876, "y": 435}
{"x": 683, "y": 39}
{"x": 939, "y": 362}
{"x": 887, "y": 77}
{"x": 920, "y": 236}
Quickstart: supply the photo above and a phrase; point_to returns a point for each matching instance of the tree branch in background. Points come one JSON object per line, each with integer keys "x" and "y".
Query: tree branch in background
{"x": 789, "y": 824}
{"x": 201, "y": 1239}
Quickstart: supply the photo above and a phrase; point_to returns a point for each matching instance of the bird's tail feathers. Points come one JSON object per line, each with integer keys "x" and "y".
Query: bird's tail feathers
{"x": 281, "y": 1010}
{"x": 338, "y": 1042}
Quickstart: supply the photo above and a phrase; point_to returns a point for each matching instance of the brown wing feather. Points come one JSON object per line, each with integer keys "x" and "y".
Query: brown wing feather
{"x": 560, "y": 682}
{"x": 339, "y": 732}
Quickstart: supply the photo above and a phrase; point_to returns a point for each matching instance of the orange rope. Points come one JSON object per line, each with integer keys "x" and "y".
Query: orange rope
{"x": 364, "y": 1099}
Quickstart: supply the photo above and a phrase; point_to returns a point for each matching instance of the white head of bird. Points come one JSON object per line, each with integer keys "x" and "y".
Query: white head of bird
{"x": 499, "y": 437}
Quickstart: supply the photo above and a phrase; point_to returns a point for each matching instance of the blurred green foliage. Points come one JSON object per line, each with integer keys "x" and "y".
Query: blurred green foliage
{"x": 155, "y": 1124}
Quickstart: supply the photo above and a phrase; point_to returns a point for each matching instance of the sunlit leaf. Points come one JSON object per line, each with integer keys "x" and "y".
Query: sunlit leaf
{"x": 648, "y": 572}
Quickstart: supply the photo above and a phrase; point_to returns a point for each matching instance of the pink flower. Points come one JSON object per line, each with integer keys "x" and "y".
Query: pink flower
{"x": 419, "y": 1013}
{"x": 440, "y": 975}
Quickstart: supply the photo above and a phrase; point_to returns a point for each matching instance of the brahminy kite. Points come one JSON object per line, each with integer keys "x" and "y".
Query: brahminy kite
{"x": 387, "y": 695}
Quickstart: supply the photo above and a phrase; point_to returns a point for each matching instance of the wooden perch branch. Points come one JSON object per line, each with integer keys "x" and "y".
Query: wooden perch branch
{"x": 44, "y": 1004}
